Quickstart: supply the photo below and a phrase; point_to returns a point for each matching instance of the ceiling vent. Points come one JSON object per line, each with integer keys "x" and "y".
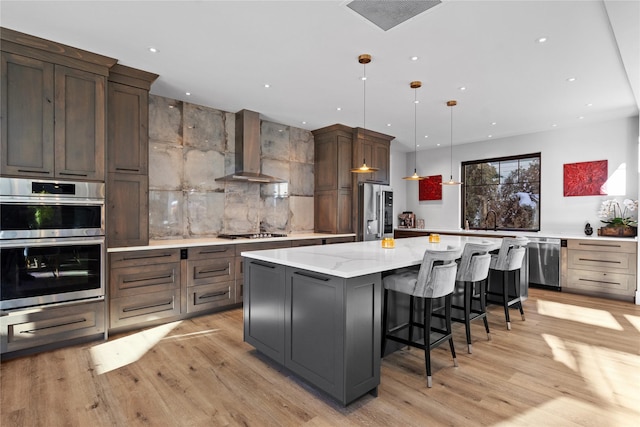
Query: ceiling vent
{"x": 388, "y": 14}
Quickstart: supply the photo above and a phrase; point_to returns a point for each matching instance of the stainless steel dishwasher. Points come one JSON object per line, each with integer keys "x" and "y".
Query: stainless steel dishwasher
{"x": 544, "y": 262}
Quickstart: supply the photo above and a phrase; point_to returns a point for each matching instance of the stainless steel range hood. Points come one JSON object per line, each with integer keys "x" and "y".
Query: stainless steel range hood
{"x": 248, "y": 151}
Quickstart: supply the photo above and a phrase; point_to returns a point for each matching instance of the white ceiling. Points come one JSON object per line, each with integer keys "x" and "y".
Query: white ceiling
{"x": 224, "y": 52}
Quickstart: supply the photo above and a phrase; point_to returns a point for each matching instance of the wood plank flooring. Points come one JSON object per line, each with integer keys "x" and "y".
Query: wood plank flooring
{"x": 575, "y": 361}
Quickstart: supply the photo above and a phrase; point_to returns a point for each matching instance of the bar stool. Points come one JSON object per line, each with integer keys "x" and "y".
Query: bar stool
{"x": 509, "y": 258}
{"x": 473, "y": 270}
{"x": 435, "y": 279}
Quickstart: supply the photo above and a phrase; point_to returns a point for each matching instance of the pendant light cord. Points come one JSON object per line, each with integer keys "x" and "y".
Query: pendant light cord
{"x": 364, "y": 107}
{"x": 451, "y": 149}
{"x": 415, "y": 131}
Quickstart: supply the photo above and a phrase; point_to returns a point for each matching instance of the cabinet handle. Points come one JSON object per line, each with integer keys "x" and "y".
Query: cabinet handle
{"x": 213, "y": 251}
{"x": 32, "y": 331}
{"x": 30, "y": 171}
{"x": 132, "y": 258}
{"x": 263, "y": 265}
{"x": 598, "y": 281}
{"x": 605, "y": 245}
{"x": 599, "y": 260}
{"x": 168, "y": 276}
{"x": 214, "y": 270}
{"x": 141, "y": 307}
{"x": 212, "y": 295}
{"x": 73, "y": 174}
{"x": 128, "y": 169}
{"x": 312, "y": 276}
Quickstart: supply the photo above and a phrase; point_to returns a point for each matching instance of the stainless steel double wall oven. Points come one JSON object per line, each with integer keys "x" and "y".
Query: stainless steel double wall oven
{"x": 52, "y": 242}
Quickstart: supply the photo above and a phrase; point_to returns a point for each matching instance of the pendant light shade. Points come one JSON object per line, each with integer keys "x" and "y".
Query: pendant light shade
{"x": 415, "y": 177}
{"x": 364, "y": 59}
{"x": 451, "y": 104}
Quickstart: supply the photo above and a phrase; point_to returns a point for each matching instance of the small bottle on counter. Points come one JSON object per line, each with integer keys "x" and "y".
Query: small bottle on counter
{"x": 466, "y": 224}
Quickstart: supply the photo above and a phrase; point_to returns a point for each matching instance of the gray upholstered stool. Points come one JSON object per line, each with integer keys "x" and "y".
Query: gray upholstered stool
{"x": 473, "y": 272}
{"x": 509, "y": 258}
{"x": 435, "y": 279}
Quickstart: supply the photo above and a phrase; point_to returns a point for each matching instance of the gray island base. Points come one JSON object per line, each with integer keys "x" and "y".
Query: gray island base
{"x": 323, "y": 322}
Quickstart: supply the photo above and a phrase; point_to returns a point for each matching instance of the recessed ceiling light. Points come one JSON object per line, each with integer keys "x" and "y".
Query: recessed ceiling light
{"x": 489, "y": 136}
{"x": 541, "y": 39}
{"x": 580, "y": 117}
{"x": 153, "y": 50}
{"x": 416, "y": 102}
{"x": 588, "y": 105}
{"x": 438, "y": 145}
{"x": 554, "y": 125}
{"x": 339, "y": 108}
{"x": 571, "y": 79}
{"x": 304, "y": 123}
{"x": 170, "y": 106}
{"x": 363, "y": 78}
{"x": 267, "y": 85}
{"x": 187, "y": 93}
{"x": 462, "y": 88}
{"x": 388, "y": 124}
{"x": 417, "y": 145}
{"x": 493, "y": 123}
{"x": 426, "y": 136}
{"x": 414, "y": 58}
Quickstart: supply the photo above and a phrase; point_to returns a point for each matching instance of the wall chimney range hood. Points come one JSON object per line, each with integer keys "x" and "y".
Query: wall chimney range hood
{"x": 248, "y": 151}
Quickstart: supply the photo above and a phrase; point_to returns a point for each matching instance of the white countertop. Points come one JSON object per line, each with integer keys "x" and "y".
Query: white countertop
{"x": 210, "y": 241}
{"x": 360, "y": 258}
{"x": 502, "y": 233}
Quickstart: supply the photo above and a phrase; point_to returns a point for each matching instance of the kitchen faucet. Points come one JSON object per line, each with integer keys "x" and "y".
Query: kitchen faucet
{"x": 495, "y": 219}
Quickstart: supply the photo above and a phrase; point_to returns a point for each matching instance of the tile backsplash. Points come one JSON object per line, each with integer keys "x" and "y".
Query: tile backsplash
{"x": 191, "y": 145}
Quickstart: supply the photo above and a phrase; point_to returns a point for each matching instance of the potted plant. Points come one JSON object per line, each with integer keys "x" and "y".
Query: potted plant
{"x": 619, "y": 221}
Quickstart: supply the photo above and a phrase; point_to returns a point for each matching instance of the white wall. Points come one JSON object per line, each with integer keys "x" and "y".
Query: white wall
{"x": 615, "y": 141}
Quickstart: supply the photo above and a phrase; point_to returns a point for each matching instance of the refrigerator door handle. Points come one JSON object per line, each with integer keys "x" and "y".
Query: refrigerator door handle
{"x": 380, "y": 214}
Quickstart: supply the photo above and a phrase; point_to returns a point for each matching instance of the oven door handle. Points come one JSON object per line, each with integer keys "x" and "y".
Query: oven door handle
{"x": 63, "y": 241}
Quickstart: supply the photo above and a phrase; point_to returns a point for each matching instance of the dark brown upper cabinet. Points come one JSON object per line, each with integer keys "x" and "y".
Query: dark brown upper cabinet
{"x": 53, "y": 109}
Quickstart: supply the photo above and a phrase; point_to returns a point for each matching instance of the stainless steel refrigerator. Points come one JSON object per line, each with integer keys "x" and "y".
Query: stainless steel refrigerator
{"x": 375, "y": 211}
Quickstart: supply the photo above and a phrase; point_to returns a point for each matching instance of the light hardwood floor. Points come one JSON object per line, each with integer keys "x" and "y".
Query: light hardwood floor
{"x": 575, "y": 361}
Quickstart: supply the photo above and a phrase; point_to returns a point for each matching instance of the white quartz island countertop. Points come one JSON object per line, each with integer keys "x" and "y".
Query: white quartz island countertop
{"x": 349, "y": 260}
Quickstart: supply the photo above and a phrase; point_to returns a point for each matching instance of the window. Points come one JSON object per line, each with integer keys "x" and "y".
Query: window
{"x": 502, "y": 193}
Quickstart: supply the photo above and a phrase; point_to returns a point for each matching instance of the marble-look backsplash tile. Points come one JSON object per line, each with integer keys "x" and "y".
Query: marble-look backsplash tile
{"x": 191, "y": 145}
{"x": 165, "y": 213}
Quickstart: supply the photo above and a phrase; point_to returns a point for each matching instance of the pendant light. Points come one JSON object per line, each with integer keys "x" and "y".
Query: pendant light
{"x": 364, "y": 59}
{"x": 451, "y": 104}
{"x": 415, "y": 177}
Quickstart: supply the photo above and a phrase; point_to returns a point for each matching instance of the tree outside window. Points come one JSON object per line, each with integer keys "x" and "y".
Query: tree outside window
{"x": 506, "y": 186}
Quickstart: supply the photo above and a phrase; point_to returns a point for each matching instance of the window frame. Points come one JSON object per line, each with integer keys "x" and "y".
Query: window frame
{"x": 463, "y": 203}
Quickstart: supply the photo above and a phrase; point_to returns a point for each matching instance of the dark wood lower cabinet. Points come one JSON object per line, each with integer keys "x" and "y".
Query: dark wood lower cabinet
{"x": 324, "y": 328}
{"x": 51, "y": 326}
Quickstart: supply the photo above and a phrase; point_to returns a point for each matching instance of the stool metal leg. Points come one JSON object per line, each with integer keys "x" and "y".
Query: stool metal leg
{"x": 411, "y": 319}
{"x": 483, "y": 305}
{"x": 427, "y": 339}
{"x": 447, "y": 311}
{"x": 468, "y": 290}
{"x": 505, "y": 295}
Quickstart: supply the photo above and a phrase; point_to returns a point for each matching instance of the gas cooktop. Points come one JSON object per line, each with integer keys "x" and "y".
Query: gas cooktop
{"x": 261, "y": 235}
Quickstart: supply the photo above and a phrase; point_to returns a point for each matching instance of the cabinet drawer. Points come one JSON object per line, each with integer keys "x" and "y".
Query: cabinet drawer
{"x": 51, "y": 325}
{"x": 245, "y": 247}
{"x": 149, "y": 278}
{"x": 137, "y": 258}
{"x": 344, "y": 239}
{"x": 136, "y": 309}
{"x": 207, "y": 271}
{"x": 620, "y": 262}
{"x": 601, "y": 282}
{"x": 207, "y": 252}
{"x": 205, "y": 297}
{"x": 305, "y": 242}
{"x": 602, "y": 246}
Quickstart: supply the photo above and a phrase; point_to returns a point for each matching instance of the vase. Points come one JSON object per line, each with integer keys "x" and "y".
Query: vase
{"x": 623, "y": 231}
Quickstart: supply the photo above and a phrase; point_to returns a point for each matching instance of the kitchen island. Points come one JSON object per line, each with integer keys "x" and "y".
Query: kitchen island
{"x": 317, "y": 310}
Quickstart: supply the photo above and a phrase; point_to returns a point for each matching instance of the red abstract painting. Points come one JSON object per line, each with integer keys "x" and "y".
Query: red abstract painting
{"x": 430, "y": 188}
{"x": 586, "y": 178}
